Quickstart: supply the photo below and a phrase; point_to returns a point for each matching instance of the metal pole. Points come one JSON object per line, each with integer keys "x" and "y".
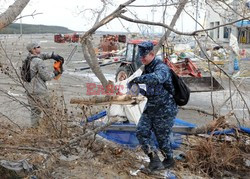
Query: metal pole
{"x": 196, "y": 15}
{"x": 153, "y": 18}
{"x": 21, "y": 26}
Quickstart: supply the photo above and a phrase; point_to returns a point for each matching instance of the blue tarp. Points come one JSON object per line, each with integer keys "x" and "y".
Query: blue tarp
{"x": 243, "y": 23}
{"x": 128, "y": 138}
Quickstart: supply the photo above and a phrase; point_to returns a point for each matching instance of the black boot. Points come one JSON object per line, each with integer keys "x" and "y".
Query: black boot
{"x": 168, "y": 162}
{"x": 155, "y": 162}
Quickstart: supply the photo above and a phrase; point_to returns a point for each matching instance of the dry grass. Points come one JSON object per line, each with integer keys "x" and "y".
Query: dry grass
{"x": 40, "y": 146}
{"x": 218, "y": 155}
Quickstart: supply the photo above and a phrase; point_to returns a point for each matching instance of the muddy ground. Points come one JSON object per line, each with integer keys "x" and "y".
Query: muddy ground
{"x": 73, "y": 84}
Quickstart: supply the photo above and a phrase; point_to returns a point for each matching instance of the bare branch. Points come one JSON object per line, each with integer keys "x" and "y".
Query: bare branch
{"x": 107, "y": 19}
{"x": 32, "y": 15}
{"x": 100, "y": 12}
{"x": 12, "y": 12}
{"x": 33, "y": 149}
{"x": 199, "y": 110}
{"x": 172, "y": 24}
{"x": 155, "y": 5}
{"x": 176, "y": 31}
{"x": 231, "y": 80}
{"x": 10, "y": 120}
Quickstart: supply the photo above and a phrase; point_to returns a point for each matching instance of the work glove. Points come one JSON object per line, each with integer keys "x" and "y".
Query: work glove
{"x": 57, "y": 73}
{"x": 57, "y": 57}
{"x": 134, "y": 90}
{"x": 132, "y": 82}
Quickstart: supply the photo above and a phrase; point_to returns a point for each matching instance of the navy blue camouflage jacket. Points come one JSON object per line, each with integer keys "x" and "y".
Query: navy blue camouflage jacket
{"x": 160, "y": 101}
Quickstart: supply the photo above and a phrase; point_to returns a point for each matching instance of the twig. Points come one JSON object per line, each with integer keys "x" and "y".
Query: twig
{"x": 10, "y": 121}
{"x": 106, "y": 20}
{"x": 89, "y": 132}
{"x": 32, "y": 15}
{"x": 26, "y": 148}
{"x": 224, "y": 103}
{"x": 194, "y": 33}
{"x": 231, "y": 80}
{"x": 199, "y": 110}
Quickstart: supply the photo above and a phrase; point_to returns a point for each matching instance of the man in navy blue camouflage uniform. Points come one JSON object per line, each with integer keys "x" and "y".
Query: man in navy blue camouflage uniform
{"x": 160, "y": 110}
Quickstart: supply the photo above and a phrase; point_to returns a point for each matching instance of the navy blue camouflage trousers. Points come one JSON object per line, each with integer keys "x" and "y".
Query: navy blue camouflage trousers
{"x": 162, "y": 128}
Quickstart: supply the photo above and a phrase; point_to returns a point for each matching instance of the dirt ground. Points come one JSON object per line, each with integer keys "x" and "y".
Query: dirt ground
{"x": 73, "y": 84}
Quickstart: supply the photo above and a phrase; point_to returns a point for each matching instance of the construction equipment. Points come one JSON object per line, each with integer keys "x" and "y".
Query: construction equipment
{"x": 110, "y": 43}
{"x": 62, "y": 38}
{"x": 184, "y": 68}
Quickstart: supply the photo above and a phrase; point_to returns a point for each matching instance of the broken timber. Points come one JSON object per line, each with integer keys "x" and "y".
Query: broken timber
{"x": 108, "y": 99}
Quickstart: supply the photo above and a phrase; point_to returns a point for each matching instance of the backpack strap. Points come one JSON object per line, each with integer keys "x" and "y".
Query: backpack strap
{"x": 25, "y": 72}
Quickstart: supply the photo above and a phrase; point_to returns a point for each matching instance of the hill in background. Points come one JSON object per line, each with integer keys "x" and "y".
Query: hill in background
{"x": 32, "y": 29}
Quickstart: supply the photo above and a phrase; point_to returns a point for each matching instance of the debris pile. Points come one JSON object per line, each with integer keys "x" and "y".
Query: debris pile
{"x": 78, "y": 149}
{"x": 51, "y": 155}
{"x": 223, "y": 154}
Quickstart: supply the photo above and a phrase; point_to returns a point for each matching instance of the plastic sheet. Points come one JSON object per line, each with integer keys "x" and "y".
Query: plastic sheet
{"x": 128, "y": 138}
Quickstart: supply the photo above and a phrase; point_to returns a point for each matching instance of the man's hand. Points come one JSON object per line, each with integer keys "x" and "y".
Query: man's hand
{"x": 134, "y": 81}
{"x": 57, "y": 57}
{"x": 57, "y": 73}
{"x": 134, "y": 90}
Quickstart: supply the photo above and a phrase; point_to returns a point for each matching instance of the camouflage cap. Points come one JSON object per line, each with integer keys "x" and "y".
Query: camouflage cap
{"x": 32, "y": 45}
{"x": 145, "y": 48}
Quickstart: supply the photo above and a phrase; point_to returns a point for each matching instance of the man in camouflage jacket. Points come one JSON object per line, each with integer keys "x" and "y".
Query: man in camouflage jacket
{"x": 36, "y": 89}
{"x": 160, "y": 110}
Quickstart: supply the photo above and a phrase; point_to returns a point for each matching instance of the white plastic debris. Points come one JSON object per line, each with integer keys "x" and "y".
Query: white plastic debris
{"x": 131, "y": 112}
{"x": 233, "y": 43}
{"x": 247, "y": 163}
{"x": 134, "y": 173}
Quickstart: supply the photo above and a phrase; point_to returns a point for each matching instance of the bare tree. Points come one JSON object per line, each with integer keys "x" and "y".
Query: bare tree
{"x": 118, "y": 13}
{"x": 65, "y": 145}
{"x": 12, "y": 12}
{"x": 87, "y": 46}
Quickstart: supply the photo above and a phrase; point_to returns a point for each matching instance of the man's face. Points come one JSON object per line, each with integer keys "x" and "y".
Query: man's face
{"x": 36, "y": 50}
{"x": 147, "y": 58}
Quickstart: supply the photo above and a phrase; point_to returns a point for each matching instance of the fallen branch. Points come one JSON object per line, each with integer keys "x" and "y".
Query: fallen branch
{"x": 102, "y": 100}
{"x": 26, "y": 148}
{"x": 219, "y": 123}
{"x": 200, "y": 111}
{"x": 3, "y": 115}
{"x": 88, "y": 133}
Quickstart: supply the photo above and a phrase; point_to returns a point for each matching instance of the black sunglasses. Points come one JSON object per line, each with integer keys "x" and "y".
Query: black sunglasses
{"x": 37, "y": 47}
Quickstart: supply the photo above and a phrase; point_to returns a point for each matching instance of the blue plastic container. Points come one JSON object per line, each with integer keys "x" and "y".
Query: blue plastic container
{"x": 236, "y": 65}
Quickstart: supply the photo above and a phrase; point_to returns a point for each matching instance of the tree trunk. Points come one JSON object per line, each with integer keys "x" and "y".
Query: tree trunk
{"x": 90, "y": 57}
{"x": 172, "y": 24}
{"x": 12, "y": 12}
{"x": 88, "y": 50}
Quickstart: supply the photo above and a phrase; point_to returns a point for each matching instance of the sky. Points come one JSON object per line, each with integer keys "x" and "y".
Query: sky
{"x": 66, "y": 13}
